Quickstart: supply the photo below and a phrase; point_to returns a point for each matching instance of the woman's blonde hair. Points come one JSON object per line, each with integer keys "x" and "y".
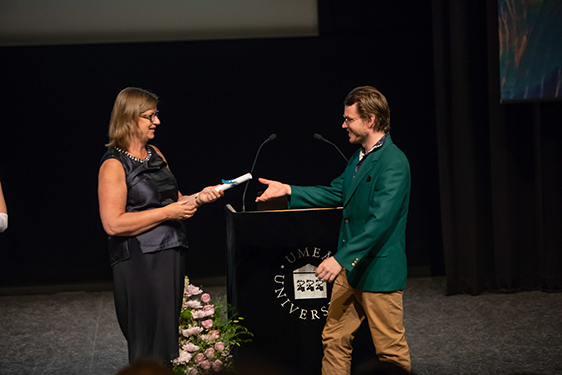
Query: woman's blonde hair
{"x": 124, "y": 123}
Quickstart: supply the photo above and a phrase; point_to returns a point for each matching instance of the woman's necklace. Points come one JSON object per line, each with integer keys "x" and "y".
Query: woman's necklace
{"x": 139, "y": 160}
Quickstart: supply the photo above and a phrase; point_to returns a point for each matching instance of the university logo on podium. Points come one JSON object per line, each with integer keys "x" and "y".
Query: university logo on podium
{"x": 297, "y": 289}
{"x": 307, "y": 285}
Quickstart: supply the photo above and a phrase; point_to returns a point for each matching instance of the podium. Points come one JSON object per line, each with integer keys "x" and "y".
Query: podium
{"x": 271, "y": 260}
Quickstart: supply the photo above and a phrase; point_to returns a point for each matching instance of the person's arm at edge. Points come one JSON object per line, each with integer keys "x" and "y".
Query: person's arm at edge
{"x": 3, "y": 211}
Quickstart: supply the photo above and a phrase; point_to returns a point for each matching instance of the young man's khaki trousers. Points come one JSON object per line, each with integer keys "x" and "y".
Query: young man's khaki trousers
{"x": 348, "y": 308}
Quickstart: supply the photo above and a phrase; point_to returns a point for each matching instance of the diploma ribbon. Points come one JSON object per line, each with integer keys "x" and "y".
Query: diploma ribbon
{"x": 229, "y": 182}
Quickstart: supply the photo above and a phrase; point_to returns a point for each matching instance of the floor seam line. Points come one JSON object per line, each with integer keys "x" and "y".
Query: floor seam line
{"x": 95, "y": 334}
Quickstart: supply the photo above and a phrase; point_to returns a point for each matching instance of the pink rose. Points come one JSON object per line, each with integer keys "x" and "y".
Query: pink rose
{"x": 198, "y": 314}
{"x": 190, "y": 347}
{"x": 209, "y": 310}
{"x": 194, "y": 304}
{"x": 192, "y": 291}
{"x": 217, "y": 365}
{"x": 214, "y": 334}
{"x": 191, "y": 331}
{"x": 210, "y": 353}
{"x": 183, "y": 358}
{"x": 205, "y": 297}
{"x": 219, "y": 346}
{"x": 205, "y": 365}
{"x": 207, "y": 323}
{"x": 199, "y": 357}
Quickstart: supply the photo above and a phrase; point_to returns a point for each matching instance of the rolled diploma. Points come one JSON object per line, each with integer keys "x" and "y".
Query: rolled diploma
{"x": 235, "y": 182}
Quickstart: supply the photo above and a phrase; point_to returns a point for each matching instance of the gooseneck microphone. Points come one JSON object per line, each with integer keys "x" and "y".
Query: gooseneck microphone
{"x": 270, "y": 138}
{"x": 320, "y": 138}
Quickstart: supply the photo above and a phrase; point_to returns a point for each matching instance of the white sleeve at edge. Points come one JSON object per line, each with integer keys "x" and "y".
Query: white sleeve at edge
{"x": 3, "y": 221}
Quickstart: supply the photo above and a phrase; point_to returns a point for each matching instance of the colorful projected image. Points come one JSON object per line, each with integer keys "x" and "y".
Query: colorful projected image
{"x": 530, "y": 38}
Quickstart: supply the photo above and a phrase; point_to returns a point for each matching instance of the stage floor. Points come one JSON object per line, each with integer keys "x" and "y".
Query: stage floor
{"x": 519, "y": 333}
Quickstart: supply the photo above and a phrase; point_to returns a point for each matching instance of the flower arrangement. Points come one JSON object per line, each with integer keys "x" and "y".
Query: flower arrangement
{"x": 207, "y": 335}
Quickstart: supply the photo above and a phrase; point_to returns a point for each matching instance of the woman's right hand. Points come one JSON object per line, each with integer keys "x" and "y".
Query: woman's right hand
{"x": 182, "y": 210}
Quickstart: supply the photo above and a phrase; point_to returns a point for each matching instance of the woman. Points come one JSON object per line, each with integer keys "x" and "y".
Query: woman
{"x": 142, "y": 211}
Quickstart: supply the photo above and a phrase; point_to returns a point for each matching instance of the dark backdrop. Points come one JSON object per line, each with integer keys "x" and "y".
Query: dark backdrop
{"x": 499, "y": 165}
{"x": 219, "y": 101}
{"x": 486, "y": 178}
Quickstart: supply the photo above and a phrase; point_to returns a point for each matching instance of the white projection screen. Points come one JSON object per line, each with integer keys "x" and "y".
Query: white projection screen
{"x": 52, "y": 22}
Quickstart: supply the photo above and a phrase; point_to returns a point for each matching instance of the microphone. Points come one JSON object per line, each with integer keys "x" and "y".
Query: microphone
{"x": 320, "y": 138}
{"x": 270, "y": 138}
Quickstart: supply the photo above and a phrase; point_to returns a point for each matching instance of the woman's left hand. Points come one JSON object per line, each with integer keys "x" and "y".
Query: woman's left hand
{"x": 209, "y": 195}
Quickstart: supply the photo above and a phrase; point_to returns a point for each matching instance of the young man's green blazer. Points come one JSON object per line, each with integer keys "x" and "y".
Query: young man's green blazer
{"x": 374, "y": 197}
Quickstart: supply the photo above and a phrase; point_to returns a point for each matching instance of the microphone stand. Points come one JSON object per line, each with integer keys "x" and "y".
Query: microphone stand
{"x": 271, "y": 138}
{"x": 320, "y": 138}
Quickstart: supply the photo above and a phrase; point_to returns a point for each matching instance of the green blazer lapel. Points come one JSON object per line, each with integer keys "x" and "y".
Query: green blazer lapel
{"x": 354, "y": 178}
{"x": 357, "y": 177}
{"x": 348, "y": 180}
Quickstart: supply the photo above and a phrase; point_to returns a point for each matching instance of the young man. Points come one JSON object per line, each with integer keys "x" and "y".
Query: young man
{"x": 369, "y": 267}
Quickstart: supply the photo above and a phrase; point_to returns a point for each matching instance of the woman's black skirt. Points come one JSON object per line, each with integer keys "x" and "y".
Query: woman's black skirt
{"x": 148, "y": 292}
